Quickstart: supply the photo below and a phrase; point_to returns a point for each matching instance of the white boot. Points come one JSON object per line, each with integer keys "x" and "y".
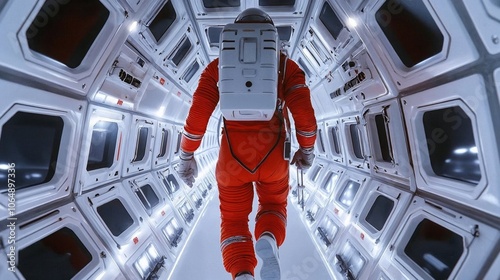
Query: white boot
{"x": 245, "y": 276}
{"x": 267, "y": 250}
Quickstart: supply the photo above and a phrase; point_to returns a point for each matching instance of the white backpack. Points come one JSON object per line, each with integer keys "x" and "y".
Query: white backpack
{"x": 248, "y": 71}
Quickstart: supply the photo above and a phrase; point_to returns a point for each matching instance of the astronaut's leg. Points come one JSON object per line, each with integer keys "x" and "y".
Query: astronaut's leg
{"x": 236, "y": 198}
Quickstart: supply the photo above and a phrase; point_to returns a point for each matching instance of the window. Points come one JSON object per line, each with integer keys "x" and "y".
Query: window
{"x": 173, "y": 232}
{"x": 276, "y": 3}
{"x": 30, "y": 141}
{"x": 188, "y": 75}
{"x": 451, "y": 145}
{"x": 319, "y": 141}
{"x": 379, "y": 212}
{"x": 329, "y": 183}
{"x": 334, "y": 143}
{"x": 356, "y": 141}
{"x": 221, "y": 3}
{"x": 411, "y": 30}
{"x": 164, "y": 143}
{"x": 213, "y": 34}
{"x": 435, "y": 249}
{"x": 148, "y": 264}
{"x": 60, "y": 255}
{"x": 315, "y": 173}
{"x": 102, "y": 145}
{"x": 162, "y": 21}
{"x": 284, "y": 32}
{"x": 330, "y": 20}
{"x": 348, "y": 193}
{"x": 327, "y": 230}
{"x": 181, "y": 51}
{"x": 351, "y": 261}
{"x": 384, "y": 139}
{"x": 142, "y": 140}
{"x": 187, "y": 212}
{"x": 65, "y": 32}
{"x": 115, "y": 216}
{"x": 148, "y": 197}
{"x": 171, "y": 184}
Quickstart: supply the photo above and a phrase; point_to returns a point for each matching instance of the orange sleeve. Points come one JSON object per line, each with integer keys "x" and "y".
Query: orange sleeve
{"x": 205, "y": 99}
{"x": 298, "y": 101}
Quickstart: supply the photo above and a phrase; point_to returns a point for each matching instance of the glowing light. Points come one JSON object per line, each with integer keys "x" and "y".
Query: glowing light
{"x": 4, "y": 167}
{"x": 144, "y": 263}
{"x": 352, "y": 22}
{"x": 460, "y": 151}
{"x": 133, "y": 26}
{"x": 153, "y": 253}
{"x": 161, "y": 111}
{"x": 473, "y": 150}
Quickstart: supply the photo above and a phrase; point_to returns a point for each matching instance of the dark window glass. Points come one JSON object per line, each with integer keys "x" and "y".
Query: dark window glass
{"x": 115, "y": 216}
{"x": 319, "y": 141}
{"x": 179, "y": 138}
{"x": 330, "y": 20}
{"x": 335, "y": 140}
{"x": 61, "y": 255}
{"x": 142, "y": 140}
{"x": 31, "y": 142}
{"x": 383, "y": 138}
{"x": 379, "y": 212}
{"x": 276, "y": 2}
{"x": 356, "y": 141}
{"x": 102, "y": 145}
{"x": 451, "y": 145}
{"x": 164, "y": 142}
{"x": 181, "y": 51}
{"x": 348, "y": 193}
{"x": 213, "y": 34}
{"x": 435, "y": 249}
{"x": 284, "y": 32}
{"x": 171, "y": 184}
{"x": 188, "y": 75}
{"x": 162, "y": 21}
{"x": 329, "y": 182}
{"x": 315, "y": 173}
{"x": 410, "y": 29}
{"x": 65, "y": 32}
{"x": 147, "y": 196}
{"x": 221, "y": 3}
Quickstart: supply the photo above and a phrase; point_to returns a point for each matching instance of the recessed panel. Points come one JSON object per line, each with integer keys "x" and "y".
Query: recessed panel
{"x": 435, "y": 242}
{"x": 162, "y": 21}
{"x": 419, "y": 34}
{"x": 38, "y": 146}
{"x": 60, "y": 255}
{"x": 426, "y": 38}
{"x": 455, "y": 150}
{"x": 35, "y": 162}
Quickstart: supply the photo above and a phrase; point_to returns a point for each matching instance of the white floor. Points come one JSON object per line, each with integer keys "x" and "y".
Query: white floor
{"x": 201, "y": 258}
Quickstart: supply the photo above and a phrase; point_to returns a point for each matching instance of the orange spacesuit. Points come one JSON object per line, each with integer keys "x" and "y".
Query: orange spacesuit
{"x": 251, "y": 151}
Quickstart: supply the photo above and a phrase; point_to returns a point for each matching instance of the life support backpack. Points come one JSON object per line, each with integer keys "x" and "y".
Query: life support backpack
{"x": 248, "y": 71}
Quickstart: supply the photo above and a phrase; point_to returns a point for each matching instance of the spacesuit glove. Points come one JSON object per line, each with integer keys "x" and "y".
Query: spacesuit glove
{"x": 303, "y": 158}
{"x": 187, "y": 168}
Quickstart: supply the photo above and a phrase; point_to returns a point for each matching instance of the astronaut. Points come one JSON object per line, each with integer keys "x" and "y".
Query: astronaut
{"x": 252, "y": 156}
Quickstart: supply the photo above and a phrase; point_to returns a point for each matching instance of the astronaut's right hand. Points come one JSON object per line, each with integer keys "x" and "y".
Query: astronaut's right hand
{"x": 303, "y": 158}
{"x": 187, "y": 168}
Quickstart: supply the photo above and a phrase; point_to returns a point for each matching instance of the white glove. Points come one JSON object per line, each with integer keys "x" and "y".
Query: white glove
{"x": 187, "y": 168}
{"x": 303, "y": 158}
